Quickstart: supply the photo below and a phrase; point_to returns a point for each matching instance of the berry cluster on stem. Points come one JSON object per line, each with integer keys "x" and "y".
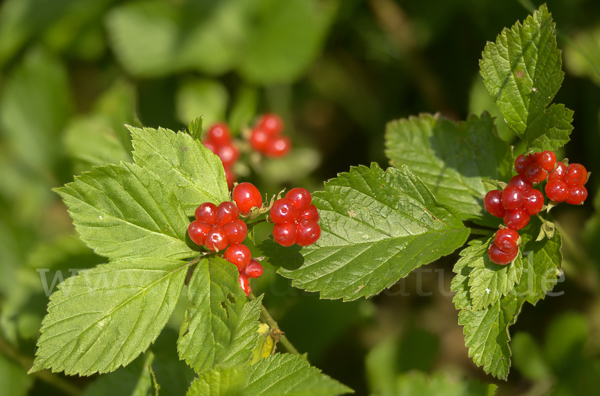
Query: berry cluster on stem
{"x": 266, "y": 137}
{"x": 218, "y": 140}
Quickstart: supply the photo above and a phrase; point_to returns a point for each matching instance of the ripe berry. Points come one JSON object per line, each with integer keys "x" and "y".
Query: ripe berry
{"x": 310, "y": 213}
{"x": 245, "y": 284}
{"x": 576, "y": 175}
{"x": 278, "y": 146}
{"x": 506, "y": 240}
{"x": 535, "y": 173}
{"x": 557, "y": 190}
{"x": 258, "y": 140}
{"x": 254, "y": 269}
{"x": 499, "y": 257}
{"x": 197, "y": 230}
{"x": 285, "y": 234}
{"x": 218, "y": 134}
{"x": 576, "y": 195}
{"x": 228, "y": 154}
{"x": 272, "y": 124}
{"x": 308, "y": 232}
{"x": 533, "y": 202}
{"x": 226, "y": 212}
{"x": 516, "y": 219}
{"x": 547, "y": 160}
{"x": 558, "y": 172}
{"x": 520, "y": 182}
{"x": 207, "y": 212}
{"x": 300, "y": 197}
{"x": 235, "y": 231}
{"x": 522, "y": 162}
{"x": 493, "y": 203}
{"x": 512, "y": 198}
{"x": 246, "y": 196}
{"x": 284, "y": 211}
{"x": 229, "y": 176}
{"x": 239, "y": 255}
{"x": 216, "y": 239}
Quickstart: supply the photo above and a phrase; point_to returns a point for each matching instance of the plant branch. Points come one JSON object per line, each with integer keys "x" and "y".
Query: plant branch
{"x": 266, "y": 316}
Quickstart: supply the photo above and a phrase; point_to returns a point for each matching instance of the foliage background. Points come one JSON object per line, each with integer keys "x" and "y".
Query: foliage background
{"x": 72, "y": 73}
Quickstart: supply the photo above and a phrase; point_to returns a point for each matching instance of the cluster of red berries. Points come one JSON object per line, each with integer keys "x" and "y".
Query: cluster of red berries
{"x": 266, "y": 137}
{"x": 217, "y": 227}
{"x": 218, "y": 140}
{"x": 519, "y": 200}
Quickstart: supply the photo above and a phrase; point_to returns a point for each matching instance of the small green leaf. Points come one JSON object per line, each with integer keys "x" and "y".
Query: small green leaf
{"x": 219, "y": 382}
{"x": 221, "y": 326}
{"x": 192, "y": 171}
{"x": 195, "y": 128}
{"x": 135, "y": 379}
{"x": 377, "y": 226}
{"x": 105, "y": 317}
{"x": 126, "y": 211}
{"x": 285, "y": 374}
{"x": 551, "y": 130}
{"x": 451, "y": 158}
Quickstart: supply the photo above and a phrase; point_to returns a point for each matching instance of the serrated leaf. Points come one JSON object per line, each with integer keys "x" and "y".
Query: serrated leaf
{"x": 219, "y": 382}
{"x": 221, "y": 326}
{"x": 195, "y": 174}
{"x": 285, "y": 374}
{"x": 451, "y": 158}
{"x": 105, "y": 317}
{"x": 136, "y": 380}
{"x": 126, "y": 211}
{"x": 377, "y": 226}
{"x": 522, "y": 72}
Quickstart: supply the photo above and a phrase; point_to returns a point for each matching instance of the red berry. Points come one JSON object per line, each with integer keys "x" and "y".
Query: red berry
{"x": 520, "y": 182}
{"x": 493, "y": 203}
{"x": 226, "y": 212}
{"x": 557, "y": 190}
{"x": 516, "y": 219}
{"x": 533, "y": 202}
{"x": 210, "y": 145}
{"x": 512, "y": 198}
{"x": 272, "y": 124}
{"x": 310, "y": 213}
{"x": 218, "y": 134}
{"x": 284, "y": 211}
{"x": 577, "y": 194}
{"x": 259, "y": 140}
{"x": 239, "y": 255}
{"x": 278, "y": 147}
{"x": 245, "y": 284}
{"x": 499, "y": 257}
{"x": 308, "y": 232}
{"x": 547, "y": 160}
{"x": 576, "y": 175}
{"x": 506, "y": 240}
{"x": 300, "y": 197}
{"x": 216, "y": 239}
{"x": 246, "y": 197}
{"x": 522, "y": 162}
{"x": 207, "y": 212}
{"x": 197, "y": 230}
{"x": 558, "y": 173}
{"x": 535, "y": 173}
{"x": 254, "y": 269}
{"x": 228, "y": 154}
{"x": 285, "y": 234}
{"x": 236, "y": 231}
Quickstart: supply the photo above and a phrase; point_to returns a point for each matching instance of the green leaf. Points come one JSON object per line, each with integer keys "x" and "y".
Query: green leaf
{"x": 135, "y": 379}
{"x": 173, "y": 375}
{"x": 194, "y": 173}
{"x": 105, "y": 317}
{"x": 416, "y": 383}
{"x": 221, "y": 326}
{"x": 285, "y": 374}
{"x": 201, "y": 97}
{"x": 377, "y": 226}
{"x": 528, "y": 358}
{"x": 451, "y": 158}
{"x": 219, "y": 382}
{"x": 126, "y": 211}
{"x": 522, "y": 72}
{"x": 582, "y": 57}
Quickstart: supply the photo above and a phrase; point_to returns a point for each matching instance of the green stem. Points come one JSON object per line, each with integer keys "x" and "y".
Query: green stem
{"x": 271, "y": 322}
{"x": 45, "y": 375}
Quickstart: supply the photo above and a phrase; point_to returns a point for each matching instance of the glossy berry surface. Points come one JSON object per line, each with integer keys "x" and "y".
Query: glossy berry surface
{"x": 245, "y": 284}
{"x": 226, "y": 212}
{"x": 575, "y": 175}
{"x": 310, "y": 213}
{"x": 308, "y": 232}
{"x": 576, "y": 195}
{"x": 493, "y": 203}
{"x": 533, "y": 202}
{"x": 239, "y": 255}
{"x": 207, "y": 212}
{"x": 300, "y": 197}
{"x": 254, "y": 269}
{"x": 246, "y": 196}
{"x": 558, "y": 172}
{"x": 278, "y": 147}
{"x": 506, "y": 240}
{"x": 218, "y": 134}
{"x": 557, "y": 190}
{"x": 499, "y": 257}
{"x": 522, "y": 162}
{"x": 284, "y": 211}
{"x": 285, "y": 234}
{"x": 516, "y": 219}
{"x": 535, "y": 173}
{"x": 197, "y": 230}
{"x": 228, "y": 154}
{"x": 216, "y": 239}
{"x": 520, "y": 182}
{"x": 547, "y": 160}
{"x": 272, "y": 124}
{"x": 235, "y": 231}
{"x": 512, "y": 197}
{"x": 258, "y": 140}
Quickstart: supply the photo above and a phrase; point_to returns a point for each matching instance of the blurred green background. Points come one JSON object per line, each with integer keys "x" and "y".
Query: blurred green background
{"x": 72, "y": 73}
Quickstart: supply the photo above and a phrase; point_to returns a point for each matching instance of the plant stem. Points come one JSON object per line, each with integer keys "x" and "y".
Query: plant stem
{"x": 271, "y": 322}
{"x": 45, "y": 375}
